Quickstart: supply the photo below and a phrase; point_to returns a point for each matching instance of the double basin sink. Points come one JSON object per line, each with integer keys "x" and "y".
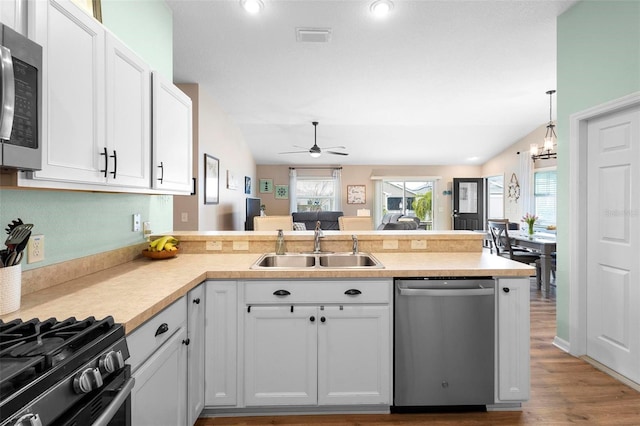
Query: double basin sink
{"x": 317, "y": 260}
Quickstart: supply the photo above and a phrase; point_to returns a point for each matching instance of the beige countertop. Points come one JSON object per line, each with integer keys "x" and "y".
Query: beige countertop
{"x": 135, "y": 291}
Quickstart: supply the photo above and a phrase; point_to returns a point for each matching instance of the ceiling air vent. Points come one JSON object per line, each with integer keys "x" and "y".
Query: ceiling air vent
{"x": 313, "y": 35}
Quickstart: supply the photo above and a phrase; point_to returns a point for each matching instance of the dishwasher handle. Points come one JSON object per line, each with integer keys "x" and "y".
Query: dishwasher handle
{"x": 448, "y": 292}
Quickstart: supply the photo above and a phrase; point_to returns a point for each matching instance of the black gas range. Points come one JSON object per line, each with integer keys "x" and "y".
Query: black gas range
{"x": 64, "y": 372}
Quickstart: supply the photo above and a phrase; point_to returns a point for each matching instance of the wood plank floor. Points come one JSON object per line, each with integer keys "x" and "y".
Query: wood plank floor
{"x": 564, "y": 390}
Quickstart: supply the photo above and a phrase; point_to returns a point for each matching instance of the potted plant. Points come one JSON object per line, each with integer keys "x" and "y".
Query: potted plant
{"x": 422, "y": 206}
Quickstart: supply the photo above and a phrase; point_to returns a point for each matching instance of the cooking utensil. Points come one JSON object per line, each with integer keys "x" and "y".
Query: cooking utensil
{"x": 18, "y": 235}
{"x": 13, "y": 224}
{"x": 10, "y": 259}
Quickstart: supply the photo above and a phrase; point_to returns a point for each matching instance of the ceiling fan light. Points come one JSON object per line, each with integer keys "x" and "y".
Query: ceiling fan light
{"x": 314, "y": 154}
{"x": 252, "y": 6}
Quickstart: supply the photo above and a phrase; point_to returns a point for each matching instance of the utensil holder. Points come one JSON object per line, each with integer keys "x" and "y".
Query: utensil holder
{"x": 10, "y": 288}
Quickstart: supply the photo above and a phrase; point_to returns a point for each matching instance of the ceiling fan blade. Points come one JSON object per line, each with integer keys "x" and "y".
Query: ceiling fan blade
{"x": 295, "y": 152}
{"x": 335, "y": 147}
{"x": 301, "y": 147}
{"x": 336, "y": 153}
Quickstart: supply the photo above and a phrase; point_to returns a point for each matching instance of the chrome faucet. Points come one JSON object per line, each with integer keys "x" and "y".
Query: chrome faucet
{"x": 317, "y": 234}
{"x": 355, "y": 243}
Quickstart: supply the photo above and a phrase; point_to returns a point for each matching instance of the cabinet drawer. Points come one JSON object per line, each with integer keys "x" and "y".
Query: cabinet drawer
{"x": 317, "y": 291}
{"x": 147, "y": 338}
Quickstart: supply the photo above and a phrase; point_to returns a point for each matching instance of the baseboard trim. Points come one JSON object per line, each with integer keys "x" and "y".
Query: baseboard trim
{"x": 611, "y": 372}
{"x": 561, "y": 344}
{"x": 290, "y": 411}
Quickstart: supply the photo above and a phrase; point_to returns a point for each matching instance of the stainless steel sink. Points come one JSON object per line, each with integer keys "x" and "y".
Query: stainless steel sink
{"x": 286, "y": 261}
{"x": 348, "y": 260}
{"x": 317, "y": 260}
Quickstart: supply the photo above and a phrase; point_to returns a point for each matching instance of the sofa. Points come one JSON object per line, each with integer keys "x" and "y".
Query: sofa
{"x": 397, "y": 221}
{"x": 328, "y": 219}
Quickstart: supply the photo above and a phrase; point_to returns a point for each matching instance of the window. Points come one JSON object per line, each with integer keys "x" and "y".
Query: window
{"x": 410, "y": 198}
{"x": 544, "y": 193}
{"x": 495, "y": 197}
{"x": 314, "y": 194}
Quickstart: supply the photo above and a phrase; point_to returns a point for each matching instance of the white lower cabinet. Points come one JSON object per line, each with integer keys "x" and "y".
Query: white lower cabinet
{"x": 159, "y": 366}
{"x": 159, "y": 396}
{"x": 281, "y": 352}
{"x": 195, "y": 352}
{"x": 513, "y": 359}
{"x": 221, "y": 337}
{"x": 354, "y": 355}
{"x": 167, "y": 363}
{"x": 317, "y": 342}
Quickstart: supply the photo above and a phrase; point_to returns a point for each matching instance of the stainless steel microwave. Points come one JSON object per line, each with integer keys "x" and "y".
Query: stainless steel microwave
{"x": 20, "y": 101}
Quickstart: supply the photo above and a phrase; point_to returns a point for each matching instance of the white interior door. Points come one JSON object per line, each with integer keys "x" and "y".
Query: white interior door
{"x": 613, "y": 241}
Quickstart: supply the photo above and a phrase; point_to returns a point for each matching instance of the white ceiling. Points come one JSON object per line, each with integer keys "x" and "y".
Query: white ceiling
{"x": 434, "y": 83}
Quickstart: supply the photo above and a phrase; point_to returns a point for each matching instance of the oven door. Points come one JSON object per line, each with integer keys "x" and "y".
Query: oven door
{"x": 111, "y": 405}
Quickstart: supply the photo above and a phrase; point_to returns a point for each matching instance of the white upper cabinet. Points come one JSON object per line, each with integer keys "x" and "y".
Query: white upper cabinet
{"x": 128, "y": 97}
{"x": 97, "y": 111}
{"x": 13, "y": 13}
{"x": 172, "y": 142}
{"x": 73, "y": 92}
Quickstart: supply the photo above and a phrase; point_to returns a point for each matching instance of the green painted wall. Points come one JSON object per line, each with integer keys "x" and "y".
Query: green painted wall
{"x": 77, "y": 224}
{"x": 598, "y": 61}
{"x": 146, "y": 26}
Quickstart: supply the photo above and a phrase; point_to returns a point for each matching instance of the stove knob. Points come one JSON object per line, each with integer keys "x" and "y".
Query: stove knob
{"x": 111, "y": 361}
{"x": 29, "y": 420}
{"x": 87, "y": 380}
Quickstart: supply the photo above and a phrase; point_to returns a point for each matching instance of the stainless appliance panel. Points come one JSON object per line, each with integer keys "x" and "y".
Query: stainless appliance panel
{"x": 444, "y": 342}
{"x": 21, "y": 101}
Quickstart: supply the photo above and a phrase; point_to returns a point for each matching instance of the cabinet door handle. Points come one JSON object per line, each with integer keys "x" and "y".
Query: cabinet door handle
{"x": 162, "y": 329}
{"x": 186, "y": 341}
{"x": 115, "y": 163}
{"x": 322, "y": 319}
{"x": 196, "y": 301}
{"x": 353, "y": 292}
{"x": 281, "y": 293}
{"x": 161, "y": 167}
{"x": 312, "y": 319}
{"x": 506, "y": 289}
{"x": 106, "y": 161}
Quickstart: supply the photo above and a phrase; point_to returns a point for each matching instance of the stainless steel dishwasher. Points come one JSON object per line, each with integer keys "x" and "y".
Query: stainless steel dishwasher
{"x": 444, "y": 342}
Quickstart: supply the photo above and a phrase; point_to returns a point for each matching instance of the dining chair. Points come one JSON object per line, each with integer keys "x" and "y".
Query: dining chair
{"x": 272, "y": 223}
{"x": 498, "y": 228}
{"x": 355, "y": 223}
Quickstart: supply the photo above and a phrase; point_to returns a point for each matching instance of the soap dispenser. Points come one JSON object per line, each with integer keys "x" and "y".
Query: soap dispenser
{"x": 280, "y": 246}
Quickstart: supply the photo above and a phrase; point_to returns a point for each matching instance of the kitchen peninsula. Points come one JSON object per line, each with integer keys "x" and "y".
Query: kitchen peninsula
{"x": 240, "y": 301}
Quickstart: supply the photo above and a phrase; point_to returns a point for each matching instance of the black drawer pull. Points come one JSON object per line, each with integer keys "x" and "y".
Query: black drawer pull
{"x": 312, "y": 319}
{"x": 162, "y": 329}
{"x": 506, "y": 289}
{"x": 281, "y": 293}
{"x": 186, "y": 341}
{"x": 322, "y": 319}
{"x": 353, "y": 292}
{"x": 196, "y": 301}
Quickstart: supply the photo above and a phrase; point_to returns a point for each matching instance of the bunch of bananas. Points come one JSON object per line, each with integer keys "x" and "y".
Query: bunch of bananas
{"x": 166, "y": 243}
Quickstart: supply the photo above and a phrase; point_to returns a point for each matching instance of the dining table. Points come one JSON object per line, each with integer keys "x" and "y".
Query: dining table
{"x": 545, "y": 244}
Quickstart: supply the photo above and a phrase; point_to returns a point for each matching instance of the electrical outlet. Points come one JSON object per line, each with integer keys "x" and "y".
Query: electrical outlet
{"x": 390, "y": 244}
{"x": 136, "y": 222}
{"x": 418, "y": 244}
{"x": 184, "y": 217}
{"x": 214, "y": 245}
{"x": 35, "y": 249}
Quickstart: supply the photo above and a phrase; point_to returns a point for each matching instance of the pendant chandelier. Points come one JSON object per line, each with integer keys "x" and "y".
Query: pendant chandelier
{"x": 550, "y": 138}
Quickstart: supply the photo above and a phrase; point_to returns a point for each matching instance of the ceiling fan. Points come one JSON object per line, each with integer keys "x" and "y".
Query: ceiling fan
{"x": 315, "y": 150}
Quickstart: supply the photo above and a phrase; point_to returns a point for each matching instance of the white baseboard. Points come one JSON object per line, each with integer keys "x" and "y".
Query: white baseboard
{"x": 561, "y": 344}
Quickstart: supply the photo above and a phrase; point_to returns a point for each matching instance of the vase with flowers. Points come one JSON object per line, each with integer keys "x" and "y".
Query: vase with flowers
{"x": 530, "y": 219}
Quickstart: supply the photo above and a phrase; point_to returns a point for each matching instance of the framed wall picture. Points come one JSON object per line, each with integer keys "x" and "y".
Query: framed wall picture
{"x": 282, "y": 192}
{"x": 247, "y": 185}
{"x": 266, "y": 186}
{"x": 356, "y": 194}
{"x": 232, "y": 180}
{"x": 211, "y": 179}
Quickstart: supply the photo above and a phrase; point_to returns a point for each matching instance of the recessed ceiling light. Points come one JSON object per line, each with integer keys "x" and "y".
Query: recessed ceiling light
{"x": 252, "y": 6}
{"x": 381, "y": 8}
